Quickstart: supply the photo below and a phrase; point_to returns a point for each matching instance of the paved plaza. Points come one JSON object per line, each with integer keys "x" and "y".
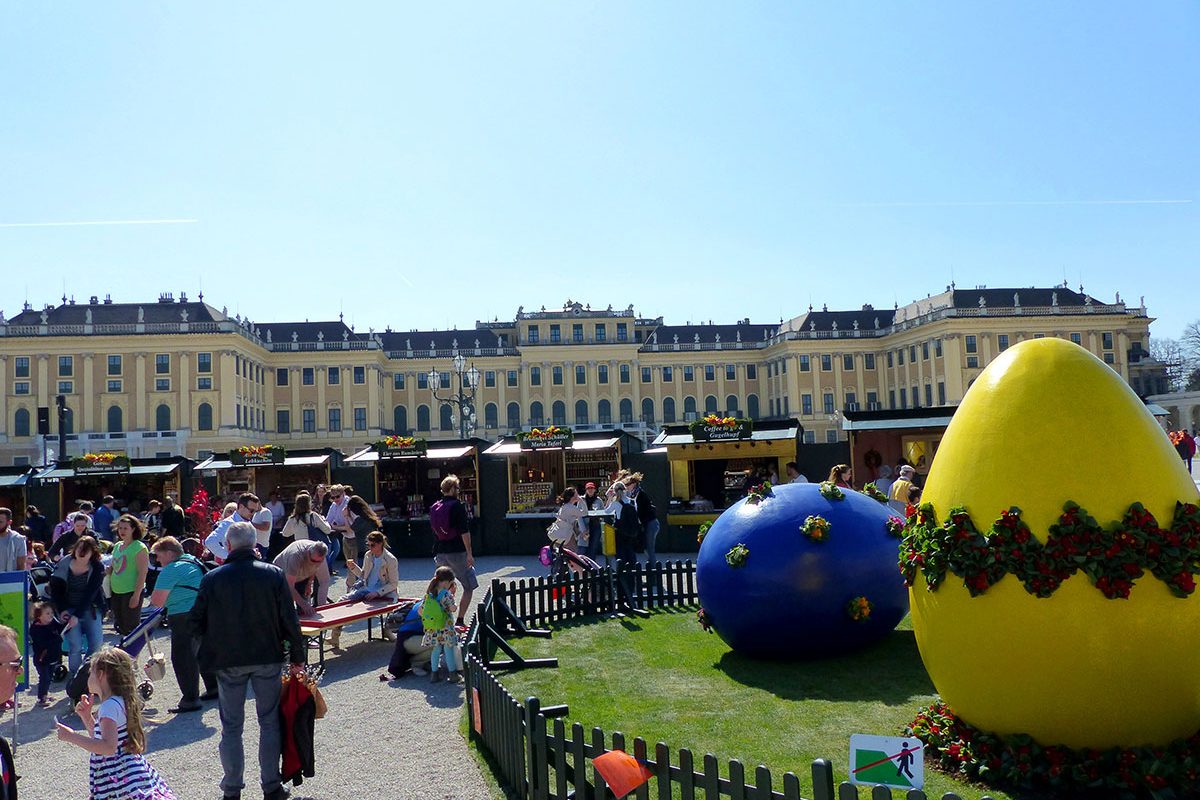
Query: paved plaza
{"x": 399, "y": 739}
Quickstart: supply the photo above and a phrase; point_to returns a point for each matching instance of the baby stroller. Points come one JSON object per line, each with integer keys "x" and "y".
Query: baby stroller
{"x": 139, "y": 637}
{"x": 39, "y": 582}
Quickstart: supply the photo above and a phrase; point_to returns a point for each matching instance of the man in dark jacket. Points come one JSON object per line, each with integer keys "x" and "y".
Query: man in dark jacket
{"x": 647, "y": 513}
{"x": 243, "y": 615}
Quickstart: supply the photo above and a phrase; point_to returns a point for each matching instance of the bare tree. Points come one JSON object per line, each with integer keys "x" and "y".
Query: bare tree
{"x": 1173, "y": 357}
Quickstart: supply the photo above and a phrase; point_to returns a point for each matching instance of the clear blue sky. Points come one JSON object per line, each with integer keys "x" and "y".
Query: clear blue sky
{"x": 425, "y": 166}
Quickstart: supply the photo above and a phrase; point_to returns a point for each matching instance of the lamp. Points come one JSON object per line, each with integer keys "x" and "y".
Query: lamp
{"x": 463, "y": 399}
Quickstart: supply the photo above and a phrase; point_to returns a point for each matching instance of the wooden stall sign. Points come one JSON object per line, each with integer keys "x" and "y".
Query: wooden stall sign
{"x": 257, "y": 455}
{"x": 400, "y": 446}
{"x": 713, "y": 428}
{"x": 101, "y": 464}
{"x": 546, "y": 438}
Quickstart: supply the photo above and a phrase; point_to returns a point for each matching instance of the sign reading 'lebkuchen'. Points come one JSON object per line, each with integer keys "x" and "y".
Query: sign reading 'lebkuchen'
{"x": 257, "y": 455}
{"x": 546, "y": 438}
{"x": 721, "y": 429}
{"x": 400, "y": 446}
{"x": 100, "y": 464}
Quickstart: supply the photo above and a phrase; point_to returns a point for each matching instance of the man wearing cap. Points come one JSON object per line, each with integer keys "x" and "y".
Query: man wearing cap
{"x": 898, "y": 494}
{"x": 595, "y": 536}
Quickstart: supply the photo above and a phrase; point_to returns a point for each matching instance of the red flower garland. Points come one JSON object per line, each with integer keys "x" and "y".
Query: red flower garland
{"x": 1113, "y": 558}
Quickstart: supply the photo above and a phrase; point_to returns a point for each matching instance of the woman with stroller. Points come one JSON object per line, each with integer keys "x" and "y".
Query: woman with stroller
{"x": 77, "y": 591}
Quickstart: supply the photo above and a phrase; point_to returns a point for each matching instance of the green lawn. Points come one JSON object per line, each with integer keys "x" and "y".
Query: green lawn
{"x": 664, "y": 679}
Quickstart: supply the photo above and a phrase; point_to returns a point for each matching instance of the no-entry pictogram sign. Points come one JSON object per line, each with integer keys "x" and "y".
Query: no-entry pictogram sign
{"x": 898, "y": 762}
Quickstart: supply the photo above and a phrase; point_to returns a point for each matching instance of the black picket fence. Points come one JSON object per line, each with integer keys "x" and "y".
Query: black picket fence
{"x": 538, "y": 757}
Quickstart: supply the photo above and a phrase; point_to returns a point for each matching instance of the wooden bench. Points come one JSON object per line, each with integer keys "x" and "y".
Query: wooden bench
{"x": 335, "y": 615}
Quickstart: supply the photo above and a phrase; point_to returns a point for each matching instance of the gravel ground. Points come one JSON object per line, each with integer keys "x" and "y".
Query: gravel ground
{"x": 380, "y": 740}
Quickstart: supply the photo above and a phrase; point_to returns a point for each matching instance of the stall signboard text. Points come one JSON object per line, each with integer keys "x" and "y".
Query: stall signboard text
{"x": 546, "y": 438}
{"x": 100, "y": 464}
{"x": 257, "y": 455}
{"x": 400, "y": 446}
{"x": 713, "y": 428}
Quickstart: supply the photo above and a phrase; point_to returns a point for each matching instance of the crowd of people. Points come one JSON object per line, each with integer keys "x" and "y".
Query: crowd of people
{"x": 260, "y": 569}
{"x": 577, "y": 525}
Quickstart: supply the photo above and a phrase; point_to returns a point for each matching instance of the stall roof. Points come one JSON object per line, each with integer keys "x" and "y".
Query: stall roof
{"x": 1157, "y": 410}
{"x": 136, "y": 469}
{"x": 215, "y": 463}
{"x": 17, "y": 479}
{"x": 367, "y": 455}
{"x": 898, "y": 419}
{"x": 763, "y": 432}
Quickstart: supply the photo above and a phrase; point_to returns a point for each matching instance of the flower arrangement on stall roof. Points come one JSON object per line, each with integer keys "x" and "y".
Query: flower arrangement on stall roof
{"x": 100, "y": 458}
{"x": 872, "y": 491}
{"x": 703, "y": 531}
{"x": 202, "y": 513}
{"x": 831, "y": 491}
{"x": 256, "y": 450}
{"x": 737, "y": 555}
{"x": 816, "y": 528}
{"x": 758, "y": 493}
{"x": 398, "y": 441}
{"x": 724, "y": 422}
{"x": 859, "y": 609}
{"x": 542, "y": 433}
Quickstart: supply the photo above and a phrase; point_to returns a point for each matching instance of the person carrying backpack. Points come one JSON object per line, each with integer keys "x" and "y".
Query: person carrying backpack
{"x": 176, "y": 589}
{"x": 437, "y": 609}
{"x": 452, "y": 542}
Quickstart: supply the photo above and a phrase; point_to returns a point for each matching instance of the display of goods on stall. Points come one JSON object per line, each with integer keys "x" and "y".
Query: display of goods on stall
{"x": 546, "y": 438}
{"x": 100, "y": 463}
{"x": 257, "y": 455}
{"x": 715, "y": 428}
{"x": 398, "y": 446}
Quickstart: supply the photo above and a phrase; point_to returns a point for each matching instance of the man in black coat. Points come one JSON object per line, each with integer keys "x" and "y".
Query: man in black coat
{"x": 244, "y": 614}
{"x": 10, "y": 666}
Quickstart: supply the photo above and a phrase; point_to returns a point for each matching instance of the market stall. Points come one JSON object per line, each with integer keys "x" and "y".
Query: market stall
{"x": 713, "y": 461}
{"x": 886, "y": 437}
{"x": 13, "y": 482}
{"x": 263, "y": 469}
{"x": 407, "y": 475}
{"x": 541, "y": 463}
{"x": 132, "y": 482}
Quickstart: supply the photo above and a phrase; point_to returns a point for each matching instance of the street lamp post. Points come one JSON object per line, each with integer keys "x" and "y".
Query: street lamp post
{"x": 463, "y": 398}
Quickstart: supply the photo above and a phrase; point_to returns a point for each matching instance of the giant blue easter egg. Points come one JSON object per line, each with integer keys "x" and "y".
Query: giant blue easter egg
{"x": 795, "y": 595}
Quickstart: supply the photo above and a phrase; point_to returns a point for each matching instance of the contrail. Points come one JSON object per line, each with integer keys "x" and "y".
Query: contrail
{"x": 974, "y": 203}
{"x": 98, "y": 222}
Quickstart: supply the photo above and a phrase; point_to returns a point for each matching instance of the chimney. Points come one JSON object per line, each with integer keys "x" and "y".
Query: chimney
{"x": 183, "y": 297}
{"x": 108, "y": 299}
{"x": 166, "y": 297}
{"x": 93, "y": 300}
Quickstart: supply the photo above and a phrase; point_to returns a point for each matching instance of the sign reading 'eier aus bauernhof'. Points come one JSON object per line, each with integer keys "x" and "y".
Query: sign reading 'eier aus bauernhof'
{"x": 546, "y": 438}
{"x": 721, "y": 429}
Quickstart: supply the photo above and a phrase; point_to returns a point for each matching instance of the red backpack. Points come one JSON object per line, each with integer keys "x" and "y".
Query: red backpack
{"x": 439, "y": 520}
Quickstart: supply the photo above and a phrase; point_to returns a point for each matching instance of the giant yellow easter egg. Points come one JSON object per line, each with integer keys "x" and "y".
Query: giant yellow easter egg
{"x": 1047, "y": 423}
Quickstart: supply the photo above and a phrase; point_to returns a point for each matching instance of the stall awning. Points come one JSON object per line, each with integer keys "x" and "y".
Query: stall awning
{"x": 288, "y": 461}
{"x": 898, "y": 420}
{"x": 14, "y": 480}
{"x": 137, "y": 469}
{"x": 1157, "y": 410}
{"x": 676, "y": 437}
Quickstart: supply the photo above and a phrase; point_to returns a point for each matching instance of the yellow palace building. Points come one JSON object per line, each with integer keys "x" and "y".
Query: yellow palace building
{"x": 173, "y": 376}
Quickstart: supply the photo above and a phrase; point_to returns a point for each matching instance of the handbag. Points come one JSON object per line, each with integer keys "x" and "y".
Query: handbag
{"x": 314, "y": 531}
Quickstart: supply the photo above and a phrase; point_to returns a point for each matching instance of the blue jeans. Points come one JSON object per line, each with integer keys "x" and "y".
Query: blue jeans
{"x": 231, "y": 686}
{"x": 651, "y": 535}
{"x": 447, "y": 654}
{"x": 90, "y": 627}
{"x": 335, "y": 547}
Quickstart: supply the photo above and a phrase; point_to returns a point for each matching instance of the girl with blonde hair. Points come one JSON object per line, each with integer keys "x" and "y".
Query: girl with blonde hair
{"x": 117, "y": 769}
